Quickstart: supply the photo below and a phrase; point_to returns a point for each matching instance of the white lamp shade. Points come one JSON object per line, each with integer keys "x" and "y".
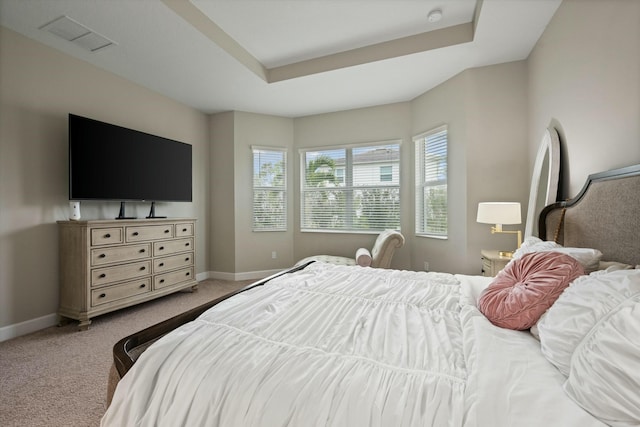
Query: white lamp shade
{"x": 499, "y": 213}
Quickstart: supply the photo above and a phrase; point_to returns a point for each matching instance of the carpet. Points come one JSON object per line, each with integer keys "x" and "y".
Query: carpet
{"x": 58, "y": 376}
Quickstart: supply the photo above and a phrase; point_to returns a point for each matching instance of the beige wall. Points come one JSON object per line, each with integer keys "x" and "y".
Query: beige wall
{"x": 375, "y": 124}
{"x": 236, "y": 250}
{"x": 485, "y": 110}
{"x": 222, "y": 203}
{"x": 581, "y": 76}
{"x": 253, "y": 249}
{"x": 584, "y": 76}
{"x": 39, "y": 87}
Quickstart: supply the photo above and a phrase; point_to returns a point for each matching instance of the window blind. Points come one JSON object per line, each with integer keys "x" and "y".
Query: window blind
{"x": 353, "y": 188}
{"x": 431, "y": 183}
{"x": 269, "y": 189}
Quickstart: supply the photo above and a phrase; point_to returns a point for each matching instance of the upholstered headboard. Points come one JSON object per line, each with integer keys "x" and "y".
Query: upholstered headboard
{"x": 605, "y": 216}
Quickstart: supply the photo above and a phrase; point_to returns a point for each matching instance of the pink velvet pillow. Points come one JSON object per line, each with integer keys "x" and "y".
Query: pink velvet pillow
{"x": 527, "y": 287}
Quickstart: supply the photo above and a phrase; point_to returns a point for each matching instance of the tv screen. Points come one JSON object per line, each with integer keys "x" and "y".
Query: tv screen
{"x": 109, "y": 162}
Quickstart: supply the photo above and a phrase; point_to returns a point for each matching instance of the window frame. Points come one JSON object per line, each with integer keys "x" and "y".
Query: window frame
{"x": 422, "y": 184}
{"x": 283, "y": 224}
{"x": 346, "y": 180}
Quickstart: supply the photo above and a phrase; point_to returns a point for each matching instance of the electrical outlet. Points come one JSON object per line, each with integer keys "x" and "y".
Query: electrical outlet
{"x": 274, "y": 255}
{"x": 426, "y": 266}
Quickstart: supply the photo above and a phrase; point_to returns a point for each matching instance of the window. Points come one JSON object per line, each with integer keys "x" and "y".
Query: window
{"x": 353, "y": 188}
{"x": 386, "y": 173}
{"x": 431, "y": 183}
{"x": 269, "y": 189}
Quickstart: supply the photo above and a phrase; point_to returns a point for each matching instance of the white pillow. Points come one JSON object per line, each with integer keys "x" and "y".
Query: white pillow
{"x": 592, "y": 335}
{"x": 589, "y": 258}
{"x": 534, "y": 244}
{"x": 363, "y": 257}
{"x": 609, "y": 266}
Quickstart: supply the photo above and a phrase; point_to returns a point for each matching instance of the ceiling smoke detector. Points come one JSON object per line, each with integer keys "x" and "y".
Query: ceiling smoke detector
{"x": 435, "y": 15}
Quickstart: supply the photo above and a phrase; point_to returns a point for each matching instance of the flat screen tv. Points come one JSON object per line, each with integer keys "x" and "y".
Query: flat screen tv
{"x": 109, "y": 162}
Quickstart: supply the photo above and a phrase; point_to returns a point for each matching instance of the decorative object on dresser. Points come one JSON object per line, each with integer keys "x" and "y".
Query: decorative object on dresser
{"x": 106, "y": 265}
{"x": 75, "y": 210}
{"x": 492, "y": 262}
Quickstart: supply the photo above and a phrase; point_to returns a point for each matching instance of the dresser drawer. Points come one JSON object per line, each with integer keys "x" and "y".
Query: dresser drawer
{"x": 172, "y": 262}
{"x": 167, "y": 279}
{"x": 183, "y": 230}
{"x": 104, "y": 256}
{"x": 172, "y": 247}
{"x": 104, "y": 275}
{"x": 116, "y": 292}
{"x": 149, "y": 232}
{"x": 106, "y": 236}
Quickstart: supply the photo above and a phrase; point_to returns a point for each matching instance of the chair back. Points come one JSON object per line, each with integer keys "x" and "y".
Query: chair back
{"x": 384, "y": 247}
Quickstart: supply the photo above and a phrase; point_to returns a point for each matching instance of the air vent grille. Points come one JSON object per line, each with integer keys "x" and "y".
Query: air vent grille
{"x": 74, "y": 32}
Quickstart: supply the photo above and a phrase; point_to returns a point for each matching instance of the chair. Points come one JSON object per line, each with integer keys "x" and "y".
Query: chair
{"x": 379, "y": 257}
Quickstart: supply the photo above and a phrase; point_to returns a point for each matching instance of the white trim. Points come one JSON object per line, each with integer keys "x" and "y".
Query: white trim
{"x": 249, "y": 275}
{"x": 27, "y": 327}
{"x": 268, "y": 148}
{"x": 430, "y": 132}
{"x": 202, "y": 276}
{"x": 352, "y": 145}
{"x": 34, "y": 325}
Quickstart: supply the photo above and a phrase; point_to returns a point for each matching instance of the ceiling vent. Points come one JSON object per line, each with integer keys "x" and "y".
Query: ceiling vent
{"x": 70, "y": 30}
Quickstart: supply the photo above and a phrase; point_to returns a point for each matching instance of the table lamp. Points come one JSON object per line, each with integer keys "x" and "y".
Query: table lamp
{"x": 500, "y": 213}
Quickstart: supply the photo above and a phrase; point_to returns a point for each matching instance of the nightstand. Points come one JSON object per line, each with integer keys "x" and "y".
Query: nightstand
{"x": 492, "y": 262}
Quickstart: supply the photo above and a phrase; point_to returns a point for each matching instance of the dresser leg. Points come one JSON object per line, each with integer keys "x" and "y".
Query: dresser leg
{"x": 83, "y": 324}
{"x": 63, "y": 321}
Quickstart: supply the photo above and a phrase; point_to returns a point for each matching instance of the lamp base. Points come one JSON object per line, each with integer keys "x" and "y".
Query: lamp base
{"x": 505, "y": 254}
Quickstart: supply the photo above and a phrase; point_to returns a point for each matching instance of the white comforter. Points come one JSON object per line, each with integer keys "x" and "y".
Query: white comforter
{"x": 346, "y": 346}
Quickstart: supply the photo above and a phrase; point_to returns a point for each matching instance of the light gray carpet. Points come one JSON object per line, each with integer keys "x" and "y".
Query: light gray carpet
{"x": 58, "y": 376}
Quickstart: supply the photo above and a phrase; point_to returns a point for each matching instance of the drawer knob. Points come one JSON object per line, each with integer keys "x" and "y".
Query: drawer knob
{"x": 102, "y": 295}
{"x": 142, "y": 251}
{"x": 135, "y": 233}
{"x": 184, "y": 229}
{"x": 161, "y": 248}
{"x": 143, "y": 286}
{"x": 186, "y": 259}
{"x": 188, "y": 273}
{"x": 106, "y": 236}
{"x": 102, "y": 255}
{"x": 102, "y": 276}
{"x": 166, "y": 231}
{"x": 143, "y": 268}
{"x": 186, "y": 244}
{"x": 161, "y": 280}
{"x": 161, "y": 264}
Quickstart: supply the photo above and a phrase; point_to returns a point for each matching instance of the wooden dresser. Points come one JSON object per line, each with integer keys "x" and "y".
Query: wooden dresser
{"x": 106, "y": 265}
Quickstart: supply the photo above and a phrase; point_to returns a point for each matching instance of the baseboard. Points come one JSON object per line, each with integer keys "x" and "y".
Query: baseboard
{"x": 249, "y": 275}
{"x": 28, "y": 326}
{"x": 33, "y": 325}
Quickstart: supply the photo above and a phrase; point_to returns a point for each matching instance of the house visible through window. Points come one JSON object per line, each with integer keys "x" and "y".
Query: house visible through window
{"x": 386, "y": 173}
{"x": 431, "y": 183}
{"x": 353, "y": 188}
{"x": 269, "y": 189}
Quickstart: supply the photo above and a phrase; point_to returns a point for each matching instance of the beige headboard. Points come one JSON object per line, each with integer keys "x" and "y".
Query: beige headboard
{"x": 605, "y": 216}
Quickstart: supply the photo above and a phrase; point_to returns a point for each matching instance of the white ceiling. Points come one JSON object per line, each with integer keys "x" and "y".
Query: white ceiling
{"x": 283, "y": 57}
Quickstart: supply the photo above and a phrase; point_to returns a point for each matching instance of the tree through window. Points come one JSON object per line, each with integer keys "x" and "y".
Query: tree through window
{"x": 355, "y": 188}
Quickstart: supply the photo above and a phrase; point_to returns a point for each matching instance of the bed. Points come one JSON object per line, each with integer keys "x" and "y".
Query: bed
{"x": 322, "y": 344}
